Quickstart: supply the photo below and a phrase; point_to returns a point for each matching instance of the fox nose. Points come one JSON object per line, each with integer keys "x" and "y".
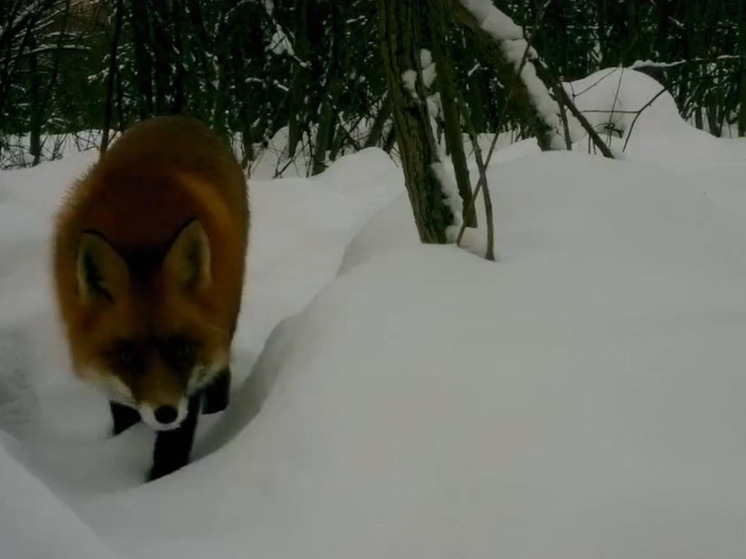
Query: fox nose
{"x": 164, "y": 417}
{"x": 166, "y": 414}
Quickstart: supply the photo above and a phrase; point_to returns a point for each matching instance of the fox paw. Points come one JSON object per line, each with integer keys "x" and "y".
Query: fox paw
{"x": 216, "y": 395}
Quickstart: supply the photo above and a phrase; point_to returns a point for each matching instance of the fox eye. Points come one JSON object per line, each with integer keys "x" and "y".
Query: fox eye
{"x": 180, "y": 350}
{"x": 183, "y": 349}
{"x": 126, "y": 356}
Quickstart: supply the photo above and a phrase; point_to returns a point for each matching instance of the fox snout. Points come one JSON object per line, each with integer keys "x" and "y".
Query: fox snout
{"x": 164, "y": 417}
{"x": 161, "y": 397}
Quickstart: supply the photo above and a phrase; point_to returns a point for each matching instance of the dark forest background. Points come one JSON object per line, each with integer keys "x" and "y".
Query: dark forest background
{"x": 71, "y": 70}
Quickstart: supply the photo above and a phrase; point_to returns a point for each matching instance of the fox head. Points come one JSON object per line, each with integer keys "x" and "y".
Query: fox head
{"x": 149, "y": 340}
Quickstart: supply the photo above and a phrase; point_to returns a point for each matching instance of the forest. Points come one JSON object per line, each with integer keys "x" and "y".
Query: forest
{"x": 74, "y": 72}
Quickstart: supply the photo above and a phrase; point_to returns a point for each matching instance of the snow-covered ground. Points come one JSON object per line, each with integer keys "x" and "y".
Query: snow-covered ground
{"x": 580, "y": 398}
{"x": 16, "y": 149}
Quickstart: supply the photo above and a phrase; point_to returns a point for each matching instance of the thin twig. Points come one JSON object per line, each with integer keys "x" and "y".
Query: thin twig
{"x": 482, "y": 176}
{"x": 482, "y": 182}
{"x": 634, "y": 120}
{"x": 594, "y": 84}
{"x": 490, "y": 251}
{"x": 616, "y": 98}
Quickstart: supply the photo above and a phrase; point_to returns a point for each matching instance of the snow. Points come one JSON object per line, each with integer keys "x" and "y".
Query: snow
{"x": 451, "y": 196}
{"x": 581, "y": 397}
{"x": 16, "y": 151}
{"x": 492, "y": 20}
{"x": 409, "y": 79}
{"x": 272, "y": 161}
{"x": 613, "y": 97}
{"x": 427, "y": 67}
{"x": 427, "y": 71}
{"x": 516, "y": 50}
{"x": 280, "y": 44}
{"x": 36, "y": 524}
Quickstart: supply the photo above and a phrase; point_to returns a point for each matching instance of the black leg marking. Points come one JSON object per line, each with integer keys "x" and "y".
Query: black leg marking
{"x": 172, "y": 448}
{"x": 217, "y": 393}
{"x": 124, "y": 417}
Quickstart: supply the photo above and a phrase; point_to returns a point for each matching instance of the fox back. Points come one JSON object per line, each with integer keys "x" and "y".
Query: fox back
{"x": 148, "y": 257}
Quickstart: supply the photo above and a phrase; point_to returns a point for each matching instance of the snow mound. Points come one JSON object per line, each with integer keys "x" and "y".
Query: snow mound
{"x": 581, "y": 397}
{"x": 34, "y": 523}
{"x": 635, "y": 115}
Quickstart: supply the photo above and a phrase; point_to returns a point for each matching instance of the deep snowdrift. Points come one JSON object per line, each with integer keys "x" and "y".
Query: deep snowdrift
{"x": 580, "y": 398}
{"x": 57, "y": 427}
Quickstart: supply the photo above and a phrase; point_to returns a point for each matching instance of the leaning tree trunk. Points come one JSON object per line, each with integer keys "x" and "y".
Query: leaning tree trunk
{"x": 400, "y": 25}
{"x": 508, "y": 73}
{"x": 440, "y": 9}
{"x": 504, "y": 42}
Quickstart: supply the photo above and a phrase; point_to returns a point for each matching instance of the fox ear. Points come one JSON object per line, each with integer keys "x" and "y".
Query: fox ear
{"x": 187, "y": 263}
{"x": 101, "y": 272}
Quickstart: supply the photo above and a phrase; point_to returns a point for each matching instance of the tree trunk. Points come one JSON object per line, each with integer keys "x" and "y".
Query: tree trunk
{"x": 162, "y": 48}
{"x": 400, "y": 24}
{"x": 295, "y": 129}
{"x": 742, "y": 68}
{"x": 143, "y": 57}
{"x": 301, "y": 78}
{"x": 451, "y": 115}
{"x": 110, "y": 79}
{"x": 324, "y": 130}
{"x": 247, "y": 144}
{"x": 328, "y": 112}
{"x": 221, "y": 99}
{"x": 179, "y": 58}
{"x": 376, "y": 130}
{"x": 36, "y": 109}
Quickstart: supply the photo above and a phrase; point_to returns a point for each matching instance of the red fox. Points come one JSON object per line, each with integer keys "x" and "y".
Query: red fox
{"x": 148, "y": 258}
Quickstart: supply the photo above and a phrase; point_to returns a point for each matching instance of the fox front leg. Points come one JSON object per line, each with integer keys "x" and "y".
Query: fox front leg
{"x": 172, "y": 448}
{"x": 217, "y": 393}
{"x": 124, "y": 417}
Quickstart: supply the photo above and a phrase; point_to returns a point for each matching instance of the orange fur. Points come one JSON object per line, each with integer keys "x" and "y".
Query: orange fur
{"x": 161, "y": 174}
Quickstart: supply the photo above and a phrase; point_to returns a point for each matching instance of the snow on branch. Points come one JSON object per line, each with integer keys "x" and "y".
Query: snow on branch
{"x": 516, "y": 56}
{"x": 451, "y": 197}
{"x": 499, "y": 26}
{"x": 280, "y": 43}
